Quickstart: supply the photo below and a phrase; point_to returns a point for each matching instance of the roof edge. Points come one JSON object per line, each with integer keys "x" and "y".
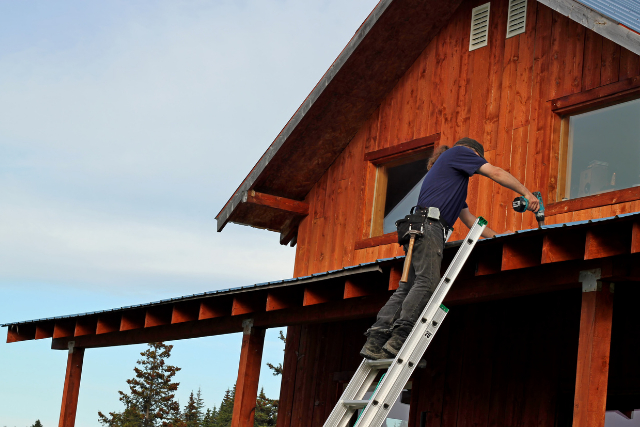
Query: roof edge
{"x": 597, "y": 22}
{"x": 223, "y": 216}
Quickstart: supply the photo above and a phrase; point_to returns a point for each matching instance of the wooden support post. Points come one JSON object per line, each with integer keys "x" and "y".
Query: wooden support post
{"x": 71, "y": 386}
{"x": 244, "y": 405}
{"x": 592, "y": 372}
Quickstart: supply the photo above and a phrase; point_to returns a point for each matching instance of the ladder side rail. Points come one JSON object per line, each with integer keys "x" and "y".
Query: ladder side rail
{"x": 413, "y": 349}
{"x": 355, "y": 390}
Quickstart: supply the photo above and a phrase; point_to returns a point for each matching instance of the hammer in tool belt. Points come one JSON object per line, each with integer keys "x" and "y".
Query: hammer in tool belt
{"x": 407, "y": 259}
{"x": 418, "y": 231}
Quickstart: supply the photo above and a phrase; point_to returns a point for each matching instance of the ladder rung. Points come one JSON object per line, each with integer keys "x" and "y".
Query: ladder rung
{"x": 380, "y": 363}
{"x": 357, "y": 404}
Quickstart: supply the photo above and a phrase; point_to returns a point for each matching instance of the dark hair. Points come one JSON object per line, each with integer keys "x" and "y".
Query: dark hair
{"x": 473, "y": 144}
{"x": 436, "y": 153}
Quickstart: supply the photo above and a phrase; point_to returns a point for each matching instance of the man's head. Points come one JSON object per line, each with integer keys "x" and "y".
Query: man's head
{"x": 473, "y": 144}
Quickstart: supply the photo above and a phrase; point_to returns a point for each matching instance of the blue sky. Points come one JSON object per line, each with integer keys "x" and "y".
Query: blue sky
{"x": 124, "y": 128}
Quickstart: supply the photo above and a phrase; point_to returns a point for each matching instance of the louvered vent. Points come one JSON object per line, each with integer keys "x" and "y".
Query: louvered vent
{"x": 479, "y": 27}
{"x": 517, "y": 18}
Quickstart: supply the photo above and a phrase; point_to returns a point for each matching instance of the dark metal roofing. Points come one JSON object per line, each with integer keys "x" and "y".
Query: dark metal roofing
{"x": 625, "y": 12}
{"x": 327, "y": 275}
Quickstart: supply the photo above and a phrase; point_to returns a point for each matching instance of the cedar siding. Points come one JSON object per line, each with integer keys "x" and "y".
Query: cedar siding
{"x": 500, "y": 95}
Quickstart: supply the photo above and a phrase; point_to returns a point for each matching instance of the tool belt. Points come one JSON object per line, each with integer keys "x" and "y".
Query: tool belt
{"x": 415, "y": 222}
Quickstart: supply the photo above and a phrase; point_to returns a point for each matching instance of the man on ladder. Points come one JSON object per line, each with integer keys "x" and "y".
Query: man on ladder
{"x": 445, "y": 189}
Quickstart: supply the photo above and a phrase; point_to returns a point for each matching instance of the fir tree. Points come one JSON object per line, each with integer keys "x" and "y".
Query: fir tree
{"x": 266, "y": 411}
{"x": 225, "y": 412}
{"x": 151, "y": 398}
{"x": 277, "y": 370}
{"x": 37, "y": 424}
{"x": 200, "y": 406}
{"x": 210, "y": 418}
{"x": 191, "y": 415}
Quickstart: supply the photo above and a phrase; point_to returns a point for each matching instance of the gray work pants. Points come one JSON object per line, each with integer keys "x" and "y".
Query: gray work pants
{"x": 404, "y": 307}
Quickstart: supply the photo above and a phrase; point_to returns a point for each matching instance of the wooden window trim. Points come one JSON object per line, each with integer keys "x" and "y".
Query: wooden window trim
{"x": 600, "y": 97}
{"x": 382, "y": 159}
{"x": 582, "y": 102}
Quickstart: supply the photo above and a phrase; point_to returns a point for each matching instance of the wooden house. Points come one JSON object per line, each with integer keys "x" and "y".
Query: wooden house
{"x": 542, "y": 321}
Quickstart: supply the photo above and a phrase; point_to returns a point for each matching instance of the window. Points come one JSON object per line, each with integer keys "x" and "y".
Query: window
{"x": 398, "y": 185}
{"x": 601, "y": 149}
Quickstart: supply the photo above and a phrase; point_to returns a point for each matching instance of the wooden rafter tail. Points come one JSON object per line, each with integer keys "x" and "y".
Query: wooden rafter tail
{"x": 522, "y": 253}
{"x": 44, "y": 330}
{"x": 608, "y": 240}
{"x": 395, "y": 273}
{"x": 244, "y": 304}
{"x": 185, "y": 312}
{"x": 283, "y": 298}
{"x": 157, "y": 316}
{"x": 64, "y": 328}
{"x": 17, "y": 333}
{"x": 86, "y": 326}
{"x": 281, "y": 203}
{"x": 566, "y": 246}
{"x": 354, "y": 289}
{"x": 289, "y": 230}
{"x": 108, "y": 323}
{"x": 214, "y": 309}
{"x": 133, "y": 319}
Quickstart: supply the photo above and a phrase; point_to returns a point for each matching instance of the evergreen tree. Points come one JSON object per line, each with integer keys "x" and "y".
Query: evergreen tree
{"x": 225, "y": 412}
{"x": 266, "y": 411}
{"x": 151, "y": 398}
{"x": 210, "y": 418}
{"x": 277, "y": 369}
{"x": 37, "y": 424}
{"x": 191, "y": 415}
{"x": 200, "y": 406}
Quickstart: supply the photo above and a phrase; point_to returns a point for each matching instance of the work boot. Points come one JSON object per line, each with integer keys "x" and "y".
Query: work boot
{"x": 373, "y": 347}
{"x": 394, "y": 344}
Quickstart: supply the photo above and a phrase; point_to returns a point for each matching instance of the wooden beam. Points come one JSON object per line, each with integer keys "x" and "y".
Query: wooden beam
{"x": 385, "y": 239}
{"x": 17, "y": 333}
{"x": 132, "y": 320}
{"x": 635, "y": 238}
{"x": 185, "y": 312}
{"x": 522, "y": 253}
{"x": 353, "y": 289}
{"x": 108, "y": 323}
{"x": 64, "y": 328}
{"x": 279, "y": 299}
{"x": 289, "y": 230}
{"x": 395, "y": 274}
{"x": 589, "y": 202}
{"x": 71, "y": 387}
{"x": 592, "y": 370}
{"x": 44, "y": 331}
{"x": 602, "y": 95}
{"x": 158, "y": 316}
{"x": 390, "y": 153}
{"x": 248, "y": 303}
{"x": 488, "y": 260}
{"x": 213, "y": 309}
{"x": 86, "y": 326}
{"x": 607, "y": 241}
{"x": 244, "y": 405}
{"x": 565, "y": 246}
{"x": 293, "y": 206}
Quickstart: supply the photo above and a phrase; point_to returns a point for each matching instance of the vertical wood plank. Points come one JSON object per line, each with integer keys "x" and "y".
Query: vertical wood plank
{"x": 592, "y": 60}
{"x": 610, "y": 71}
{"x": 287, "y": 384}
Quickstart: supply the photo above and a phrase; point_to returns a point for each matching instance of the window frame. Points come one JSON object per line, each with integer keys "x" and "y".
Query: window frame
{"x": 381, "y": 160}
{"x": 579, "y": 103}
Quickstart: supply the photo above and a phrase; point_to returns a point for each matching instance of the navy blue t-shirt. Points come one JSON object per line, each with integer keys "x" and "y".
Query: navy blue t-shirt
{"x": 445, "y": 186}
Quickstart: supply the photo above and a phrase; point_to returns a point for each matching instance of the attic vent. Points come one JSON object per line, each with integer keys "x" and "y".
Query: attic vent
{"x": 479, "y": 27}
{"x": 517, "y": 18}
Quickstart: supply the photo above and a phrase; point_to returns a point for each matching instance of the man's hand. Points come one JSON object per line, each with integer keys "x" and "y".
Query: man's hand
{"x": 507, "y": 180}
{"x": 534, "y": 203}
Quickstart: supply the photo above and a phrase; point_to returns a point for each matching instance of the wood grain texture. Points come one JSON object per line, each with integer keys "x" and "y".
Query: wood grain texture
{"x": 71, "y": 390}
{"x": 244, "y": 404}
{"x": 503, "y": 96}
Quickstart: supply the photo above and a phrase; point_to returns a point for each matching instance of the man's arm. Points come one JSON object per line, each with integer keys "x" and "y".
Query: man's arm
{"x": 507, "y": 180}
{"x": 468, "y": 219}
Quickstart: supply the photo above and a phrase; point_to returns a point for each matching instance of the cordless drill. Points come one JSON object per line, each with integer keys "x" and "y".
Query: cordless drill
{"x": 520, "y": 204}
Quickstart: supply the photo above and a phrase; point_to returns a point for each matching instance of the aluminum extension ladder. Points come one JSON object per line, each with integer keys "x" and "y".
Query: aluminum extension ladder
{"x": 400, "y": 369}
